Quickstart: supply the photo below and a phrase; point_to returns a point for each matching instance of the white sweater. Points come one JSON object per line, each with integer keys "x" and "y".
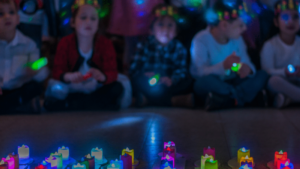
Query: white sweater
{"x": 276, "y": 55}
{"x": 208, "y": 55}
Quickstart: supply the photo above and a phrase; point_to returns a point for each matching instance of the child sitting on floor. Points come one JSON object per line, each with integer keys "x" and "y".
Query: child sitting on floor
{"x": 19, "y": 84}
{"x": 215, "y": 51}
{"x": 159, "y": 69}
{"x": 280, "y": 56}
{"x": 85, "y": 67}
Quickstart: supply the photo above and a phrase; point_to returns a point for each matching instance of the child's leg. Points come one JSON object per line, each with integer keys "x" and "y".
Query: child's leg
{"x": 247, "y": 89}
{"x": 17, "y": 97}
{"x": 278, "y": 84}
{"x": 211, "y": 83}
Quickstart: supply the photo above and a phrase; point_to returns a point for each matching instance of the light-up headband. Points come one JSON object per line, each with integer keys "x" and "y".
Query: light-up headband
{"x": 283, "y": 5}
{"x": 79, "y": 3}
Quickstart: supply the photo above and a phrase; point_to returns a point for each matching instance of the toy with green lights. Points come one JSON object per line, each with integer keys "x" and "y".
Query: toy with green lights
{"x": 167, "y": 11}
{"x": 154, "y": 80}
{"x": 292, "y": 5}
{"x": 236, "y": 67}
{"x": 38, "y": 64}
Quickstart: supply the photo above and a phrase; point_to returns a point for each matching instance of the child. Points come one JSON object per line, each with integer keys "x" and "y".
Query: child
{"x": 214, "y": 51}
{"x": 19, "y": 85}
{"x": 165, "y": 57}
{"x": 131, "y": 19}
{"x": 283, "y": 50}
{"x": 85, "y": 65}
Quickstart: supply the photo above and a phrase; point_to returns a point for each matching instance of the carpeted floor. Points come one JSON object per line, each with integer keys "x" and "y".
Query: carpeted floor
{"x": 263, "y": 131}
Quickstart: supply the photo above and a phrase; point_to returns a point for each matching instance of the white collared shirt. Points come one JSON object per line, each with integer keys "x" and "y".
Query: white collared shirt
{"x": 13, "y": 57}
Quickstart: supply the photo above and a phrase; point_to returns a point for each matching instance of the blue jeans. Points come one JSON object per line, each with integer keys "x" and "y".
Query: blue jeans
{"x": 243, "y": 90}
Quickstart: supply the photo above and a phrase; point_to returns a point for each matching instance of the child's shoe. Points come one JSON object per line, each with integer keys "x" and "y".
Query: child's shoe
{"x": 281, "y": 101}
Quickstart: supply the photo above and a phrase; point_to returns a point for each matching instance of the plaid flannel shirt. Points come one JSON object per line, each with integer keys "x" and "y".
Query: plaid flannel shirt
{"x": 169, "y": 60}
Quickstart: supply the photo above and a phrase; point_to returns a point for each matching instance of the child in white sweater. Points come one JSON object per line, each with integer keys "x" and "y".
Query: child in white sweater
{"x": 280, "y": 56}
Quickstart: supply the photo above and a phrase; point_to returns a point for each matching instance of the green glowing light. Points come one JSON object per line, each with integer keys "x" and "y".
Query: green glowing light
{"x": 154, "y": 80}
{"x": 236, "y": 67}
{"x": 38, "y": 64}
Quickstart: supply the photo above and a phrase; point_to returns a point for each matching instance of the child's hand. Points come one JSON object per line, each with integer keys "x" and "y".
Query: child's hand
{"x": 230, "y": 60}
{"x": 75, "y": 77}
{"x": 149, "y": 74}
{"x": 97, "y": 74}
{"x": 244, "y": 71}
{"x": 30, "y": 72}
{"x": 166, "y": 80}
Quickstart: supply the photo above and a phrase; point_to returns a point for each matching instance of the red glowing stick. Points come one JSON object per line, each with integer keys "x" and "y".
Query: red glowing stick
{"x": 87, "y": 76}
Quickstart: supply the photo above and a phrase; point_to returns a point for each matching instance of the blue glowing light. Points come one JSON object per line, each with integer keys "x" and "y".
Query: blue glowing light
{"x": 256, "y": 8}
{"x": 152, "y": 81}
{"x": 64, "y": 4}
{"x": 291, "y": 69}
{"x": 24, "y": 7}
{"x": 230, "y": 3}
{"x": 211, "y": 16}
{"x": 142, "y": 13}
{"x": 181, "y": 20}
{"x": 120, "y": 122}
{"x": 66, "y": 21}
{"x": 140, "y": 2}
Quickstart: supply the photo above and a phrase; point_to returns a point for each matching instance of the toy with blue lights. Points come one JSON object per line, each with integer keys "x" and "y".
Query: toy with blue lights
{"x": 291, "y": 68}
{"x": 38, "y": 64}
{"x": 242, "y": 160}
{"x": 154, "y": 80}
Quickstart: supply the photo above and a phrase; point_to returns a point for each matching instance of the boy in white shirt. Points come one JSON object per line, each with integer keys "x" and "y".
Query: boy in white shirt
{"x": 281, "y": 51}
{"x": 18, "y": 84}
{"x": 214, "y": 51}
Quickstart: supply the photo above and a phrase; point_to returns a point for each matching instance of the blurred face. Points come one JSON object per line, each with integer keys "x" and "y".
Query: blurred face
{"x": 288, "y": 22}
{"x": 233, "y": 30}
{"x": 164, "y": 29}
{"x": 86, "y": 21}
{"x": 9, "y": 19}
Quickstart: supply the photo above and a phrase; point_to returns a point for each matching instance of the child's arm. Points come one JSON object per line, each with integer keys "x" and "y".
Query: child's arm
{"x": 180, "y": 68}
{"x": 138, "y": 60}
{"x": 60, "y": 66}
{"x": 200, "y": 61}
{"x": 267, "y": 60}
{"x": 244, "y": 56}
{"x": 109, "y": 63}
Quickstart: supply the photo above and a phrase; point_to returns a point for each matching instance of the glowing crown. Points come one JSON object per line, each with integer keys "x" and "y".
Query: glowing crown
{"x": 166, "y": 10}
{"x": 79, "y": 3}
{"x": 287, "y": 5}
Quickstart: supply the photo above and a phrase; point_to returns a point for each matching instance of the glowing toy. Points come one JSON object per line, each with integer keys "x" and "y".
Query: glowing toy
{"x": 127, "y": 161}
{"x": 287, "y": 165}
{"x": 291, "y": 69}
{"x": 154, "y": 80}
{"x": 41, "y": 167}
{"x": 241, "y": 155}
{"x": 114, "y": 166}
{"x": 211, "y": 164}
{"x": 247, "y": 160}
{"x": 167, "y": 11}
{"x": 38, "y": 64}
{"x": 10, "y": 162}
{"x": 78, "y": 166}
{"x": 204, "y": 159}
{"x": 236, "y": 67}
{"x": 52, "y": 160}
{"x": 281, "y": 162}
{"x": 23, "y": 152}
{"x": 97, "y": 153}
{"x": 87, "y": 76}
{"x": 3, "y": 165}
{"x": 129, "y": 152}
{"x": 59, "y": 159}
{"x": 91, "y": 161}
{"x": 243, "y": 152}
{"x": 279, "y": 155}
{"x": 245, "y": 167}
{"x": 209, "y": 151}
{"x": 284, "y": 6}
{"x": 168, "y": 159}
{"x": 16, "y": 159}
{"x": 65, "y": 152}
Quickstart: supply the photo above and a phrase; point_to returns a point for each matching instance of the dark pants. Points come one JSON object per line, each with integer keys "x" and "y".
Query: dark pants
{"x": 243, "y": 90}
{"x": 160, "y": 94}
{"x": 105, "y": 98}
{"x": 11, "y": 99}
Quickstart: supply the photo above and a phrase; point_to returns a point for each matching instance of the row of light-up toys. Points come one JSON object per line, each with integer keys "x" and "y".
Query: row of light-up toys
{"x": 281, "y": 161}
{"x": 207, "y": 161}
{"x": 242, "y": 161}
{"x": 169, "y": 158}
{"x": 13, "y": 161}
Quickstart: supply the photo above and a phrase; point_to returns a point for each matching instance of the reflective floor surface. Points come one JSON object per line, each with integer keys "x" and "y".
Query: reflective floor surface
{"x": 263, "y": 131}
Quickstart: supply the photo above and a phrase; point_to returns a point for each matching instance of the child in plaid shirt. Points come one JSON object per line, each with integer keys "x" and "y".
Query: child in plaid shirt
{"x": 163, "y": 57}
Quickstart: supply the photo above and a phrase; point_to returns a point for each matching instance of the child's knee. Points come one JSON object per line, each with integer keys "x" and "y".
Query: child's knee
{"x": 275, "y": 82}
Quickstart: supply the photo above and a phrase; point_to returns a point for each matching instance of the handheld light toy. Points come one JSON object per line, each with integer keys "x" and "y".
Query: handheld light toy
{"x": 291, "y": 69}
{"x": 154, "y": 80}
{"x": 236, "y": 67}
{"x": 38, "y": 64}
{"x": 87, "y": 76}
